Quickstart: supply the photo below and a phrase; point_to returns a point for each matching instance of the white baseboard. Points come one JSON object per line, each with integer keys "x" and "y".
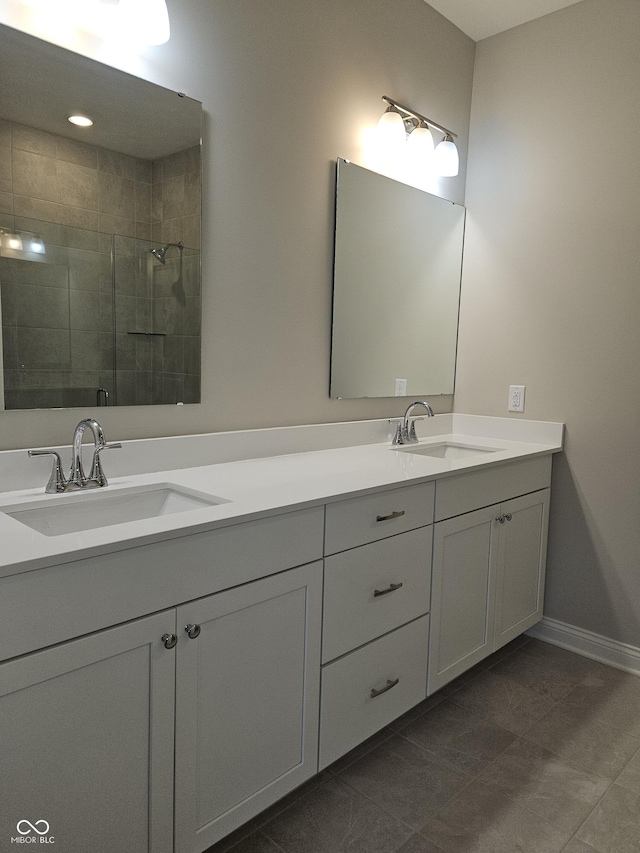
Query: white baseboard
{"x": 588, "y": 644}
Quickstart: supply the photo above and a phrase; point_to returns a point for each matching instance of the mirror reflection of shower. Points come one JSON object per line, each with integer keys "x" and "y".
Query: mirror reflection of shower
{"x": 160, "y": 253}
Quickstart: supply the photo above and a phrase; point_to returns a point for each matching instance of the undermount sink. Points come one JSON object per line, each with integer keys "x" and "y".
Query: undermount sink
{"x": 449, "y": 450}
{"x": 80, "y": 511}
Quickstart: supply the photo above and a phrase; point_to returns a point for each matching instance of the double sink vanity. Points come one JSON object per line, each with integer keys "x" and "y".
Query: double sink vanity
{"x": 235, "y": 612}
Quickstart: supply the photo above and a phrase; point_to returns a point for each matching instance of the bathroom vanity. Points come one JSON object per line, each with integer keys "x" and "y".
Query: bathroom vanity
{"x": 164, "y": 680}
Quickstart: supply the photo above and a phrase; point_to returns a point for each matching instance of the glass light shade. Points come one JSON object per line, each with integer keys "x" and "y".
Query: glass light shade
{"x": 447, "y": 161}
{"x": 36, "y": 244}
{"x": 146, "y": 21}
{"x": 391, "y": 130}
{"x": 420, "y": 143}
{"x": 13, "y": 241}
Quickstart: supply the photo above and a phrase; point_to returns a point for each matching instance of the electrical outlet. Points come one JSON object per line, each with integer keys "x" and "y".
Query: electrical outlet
{"x": 516, "y": 398}
{"x": 401, "y": 388}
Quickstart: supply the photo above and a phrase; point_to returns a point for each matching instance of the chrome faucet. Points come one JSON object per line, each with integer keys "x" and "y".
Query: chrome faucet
{"x": 406, "y": 429}
{"x": 77, "y": 479}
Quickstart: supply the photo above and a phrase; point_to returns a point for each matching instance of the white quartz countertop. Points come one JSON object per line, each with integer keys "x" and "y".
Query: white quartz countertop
{"x": 259, "y": 487}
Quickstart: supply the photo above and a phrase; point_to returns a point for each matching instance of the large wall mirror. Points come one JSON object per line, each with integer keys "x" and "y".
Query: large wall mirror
{"x": 99, "y": 233}
{"x": 398, "y": 260}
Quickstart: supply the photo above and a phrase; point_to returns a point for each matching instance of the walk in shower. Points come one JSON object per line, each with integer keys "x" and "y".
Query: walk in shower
{"x": 96, "y": 319}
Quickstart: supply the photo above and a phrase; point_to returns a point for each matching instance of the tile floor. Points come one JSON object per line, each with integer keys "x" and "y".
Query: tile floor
{"x": 535, "y": 750}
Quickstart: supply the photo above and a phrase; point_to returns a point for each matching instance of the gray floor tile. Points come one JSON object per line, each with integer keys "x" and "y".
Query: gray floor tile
{"x": 577, "y": 846}
{"x": 614, "y": 825}
{"x": 482, "y": 820}
{"x": 553, "y": 676}
{"x": 362, "y": 749}
{"x": 583, "y": 742}
{"x": 630, "y": 776}
{"x": 503, "y": 702}
{"x": 254, "y": 843}
{"x": 336, "y": 819}
{"x": 419, "y": 844}
{"x": 484, "y": 665}
{"x": 459, "y": 737}
{"x": 235, "y": 839}
{"x": 463, "y": 679}
{"x": 561, "y": 659}
{"x": 303, "y": 791}
{"x": 405, "y": 780}
{"x": 611, "y": 696}
{"x": 541, "y": 782}
{"x": 418, "y": 711}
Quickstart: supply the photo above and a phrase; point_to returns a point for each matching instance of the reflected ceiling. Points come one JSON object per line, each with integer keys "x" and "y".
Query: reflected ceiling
{"x": 90, "y": 88}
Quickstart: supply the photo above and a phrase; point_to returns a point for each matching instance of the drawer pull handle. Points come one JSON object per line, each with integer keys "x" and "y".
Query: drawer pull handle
{"x": 396, "y": 514}
{"x": 391, "y": 588}
{"x": 384, "y": 689}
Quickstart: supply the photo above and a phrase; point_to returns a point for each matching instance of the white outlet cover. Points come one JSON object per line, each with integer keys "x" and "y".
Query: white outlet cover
{"x": 516, "y": 398}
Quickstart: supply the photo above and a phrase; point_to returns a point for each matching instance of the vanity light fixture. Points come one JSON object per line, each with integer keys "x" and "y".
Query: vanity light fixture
{"x": 22, "y": 246}
{"x": 418, "y": 128}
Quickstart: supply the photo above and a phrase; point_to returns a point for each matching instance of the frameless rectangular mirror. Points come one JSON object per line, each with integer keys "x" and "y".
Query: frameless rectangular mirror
{"x": 99, "y": 233}
{"x": 396, "y": 292}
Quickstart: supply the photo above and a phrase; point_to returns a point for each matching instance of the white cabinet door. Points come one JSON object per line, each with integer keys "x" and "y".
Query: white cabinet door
{"x": 462, "y": 597}
{"x": 86, "y": 742}
{"x": 521, "y": 565}
{"x": 247, "y": 702}
{"x": 487, "y": 584}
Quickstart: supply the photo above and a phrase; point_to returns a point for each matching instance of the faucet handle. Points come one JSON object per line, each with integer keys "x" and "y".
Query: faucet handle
{"x": 97, "y": 474}
{"x": 56, "y": 482}
{"x": 398, "y": 438}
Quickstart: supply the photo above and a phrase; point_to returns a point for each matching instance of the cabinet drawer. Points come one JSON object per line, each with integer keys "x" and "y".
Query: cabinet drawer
{"x": 466, "y": 492}
{"x": 349, "y": 713}
{"x": 371, "y": 590}
{"x": 48, "y": 606}
{"x": 360, "y": 520}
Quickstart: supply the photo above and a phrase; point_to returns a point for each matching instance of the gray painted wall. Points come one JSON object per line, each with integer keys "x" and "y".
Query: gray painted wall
{"x": 287, "y": 87}
{"x": 551, "y": 284}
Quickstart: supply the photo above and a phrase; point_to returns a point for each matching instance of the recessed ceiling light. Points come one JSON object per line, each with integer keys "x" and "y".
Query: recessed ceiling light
{"x": 81, "y": 121}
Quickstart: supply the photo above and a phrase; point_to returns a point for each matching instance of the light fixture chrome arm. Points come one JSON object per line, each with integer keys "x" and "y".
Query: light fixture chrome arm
{"x": 409, "y": 113}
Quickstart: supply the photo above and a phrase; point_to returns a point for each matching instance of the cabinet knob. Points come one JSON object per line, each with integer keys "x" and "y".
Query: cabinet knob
{"x": 169, "y": 640}
{"x": 193, "y": 631}
{"x": 500, "y": 518}
{"x": 508, "y": 516}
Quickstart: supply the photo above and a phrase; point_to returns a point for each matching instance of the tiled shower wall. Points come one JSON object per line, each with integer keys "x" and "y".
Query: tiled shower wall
{"x": 58, "y": 333}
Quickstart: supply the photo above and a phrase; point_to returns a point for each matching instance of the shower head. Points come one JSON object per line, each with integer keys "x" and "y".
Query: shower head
{"x": 159, "y": 254}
